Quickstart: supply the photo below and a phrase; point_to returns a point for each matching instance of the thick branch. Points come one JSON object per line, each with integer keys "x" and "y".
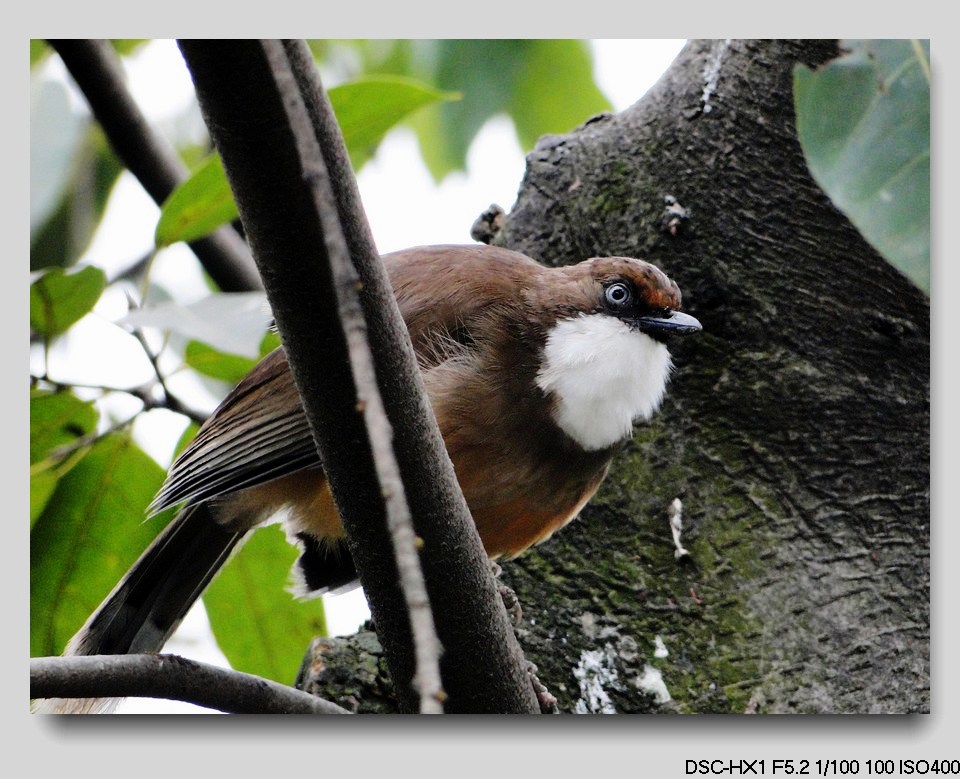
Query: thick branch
{"x": 353, "y": 221}
{"x": 269, "y": 161}
{"x": 169, "y": 676}
{"x": 97, "y": 71}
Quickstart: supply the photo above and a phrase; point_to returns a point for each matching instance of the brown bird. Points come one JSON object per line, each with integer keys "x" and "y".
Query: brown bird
{"x": 535, "y": 374}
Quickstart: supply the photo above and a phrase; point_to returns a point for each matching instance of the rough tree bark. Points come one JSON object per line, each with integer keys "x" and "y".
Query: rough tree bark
{"x": 796, "y": 429}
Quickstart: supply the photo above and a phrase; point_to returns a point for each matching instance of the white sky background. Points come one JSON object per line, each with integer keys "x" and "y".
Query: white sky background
{"x": 404, "y": 206}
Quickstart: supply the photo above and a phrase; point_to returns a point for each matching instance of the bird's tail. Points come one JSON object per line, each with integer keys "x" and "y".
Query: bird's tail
{"x": 149, "y": 603}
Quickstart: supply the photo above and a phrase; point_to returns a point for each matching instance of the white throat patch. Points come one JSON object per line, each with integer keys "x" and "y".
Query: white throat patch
{"x": 604, "y": 375}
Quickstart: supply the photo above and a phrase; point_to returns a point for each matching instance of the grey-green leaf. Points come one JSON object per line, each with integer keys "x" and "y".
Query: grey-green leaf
{"x": 57, "y": 133}
{"x": 864, "y": 125}
{"x": 233, "y": 322}
{"x": 545, "y": 86}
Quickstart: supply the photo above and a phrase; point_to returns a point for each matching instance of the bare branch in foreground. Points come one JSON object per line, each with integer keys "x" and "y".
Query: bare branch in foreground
{"x": 172, "y": 677}
{"x": 458, "y": 581}
{"x": 426, "y": 644}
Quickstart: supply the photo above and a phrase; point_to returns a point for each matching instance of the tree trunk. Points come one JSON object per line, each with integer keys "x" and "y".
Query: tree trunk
{"x": 795, "y": 430}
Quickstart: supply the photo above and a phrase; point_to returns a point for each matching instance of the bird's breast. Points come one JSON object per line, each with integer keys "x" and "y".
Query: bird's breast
{"x": 601, "y": 375}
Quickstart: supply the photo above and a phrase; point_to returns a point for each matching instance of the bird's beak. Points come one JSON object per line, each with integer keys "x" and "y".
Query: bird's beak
{"x": 674, "y": 323}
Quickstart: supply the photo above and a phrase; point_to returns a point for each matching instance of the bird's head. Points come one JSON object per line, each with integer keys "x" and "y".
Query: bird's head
{"x": 604, "y": 358}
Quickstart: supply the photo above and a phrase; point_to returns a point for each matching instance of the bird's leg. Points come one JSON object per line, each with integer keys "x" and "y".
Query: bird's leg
{"x": 510, "y": 600}
{"x": 548, "y": 703}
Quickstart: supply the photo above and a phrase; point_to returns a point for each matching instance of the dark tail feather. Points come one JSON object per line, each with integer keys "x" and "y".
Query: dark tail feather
{"x": 324, "y": 567}
{"x": 149, "y": 603}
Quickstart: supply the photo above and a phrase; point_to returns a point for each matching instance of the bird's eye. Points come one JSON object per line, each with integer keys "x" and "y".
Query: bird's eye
{"x": 617, "y": 295}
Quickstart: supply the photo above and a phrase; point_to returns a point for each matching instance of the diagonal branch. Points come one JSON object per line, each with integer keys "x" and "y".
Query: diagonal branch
{"x": 346, "y": 284}
{"x": 483, "y": 665}
{"x": 97, "y": 71}
{"x": 320, "y": 124}
{"x": 272, "y": 156}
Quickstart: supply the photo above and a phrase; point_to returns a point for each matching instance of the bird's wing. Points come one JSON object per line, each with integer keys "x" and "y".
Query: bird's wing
{"x": 258, "y": 433}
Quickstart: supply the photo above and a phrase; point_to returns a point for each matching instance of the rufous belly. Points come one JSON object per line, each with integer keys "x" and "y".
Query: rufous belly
{"x": 506, "y": 528}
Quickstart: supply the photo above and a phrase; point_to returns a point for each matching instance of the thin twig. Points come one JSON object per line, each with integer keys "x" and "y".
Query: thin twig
{"x": 170, "y": 401}
{"x": 142, "y": 393}
{"x": 172, "y": 677}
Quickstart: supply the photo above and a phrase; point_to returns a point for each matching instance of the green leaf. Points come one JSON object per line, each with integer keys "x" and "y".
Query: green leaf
{"x": 42, "y": 486}
{"x": 198, "y": 206}
{"x": 257, "y": 623}
{"x": 271, "y": 341}
{"x": 57, "y": 419}
{"x": 204, "y": 359}
{"x": 90, "y": 533}
{"x": 366, "y": 109}
{"x": 557, "y": 91}
{"x": 127, "y": 45}
{"x": 59, "y": 298}
{"x": 486, "y": 72}
{"x": 864, "y": 125}
{"x": 189, "y": 433}
{"x": 38, "y": 50}
{"x": 370, "y": 106}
